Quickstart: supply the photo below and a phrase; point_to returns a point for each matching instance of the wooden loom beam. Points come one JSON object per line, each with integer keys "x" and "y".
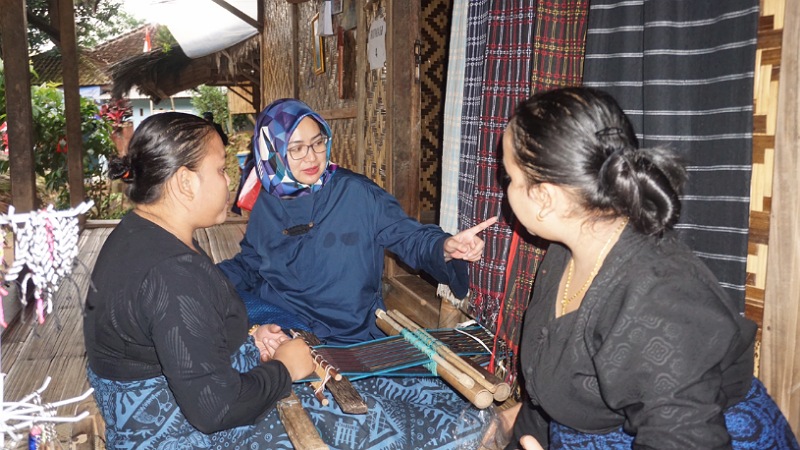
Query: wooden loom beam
{"x": 475, "y": 393}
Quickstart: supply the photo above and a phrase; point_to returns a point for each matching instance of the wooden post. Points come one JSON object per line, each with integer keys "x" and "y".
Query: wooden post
{"x": 780, "y": 360}
{"x": 72, "y": 101}
{"x": 18, "y": 104}
{"x": 403, "y": 110}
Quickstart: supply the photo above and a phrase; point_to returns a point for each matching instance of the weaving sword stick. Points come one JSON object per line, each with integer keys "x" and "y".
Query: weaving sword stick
{"x": 480, "y": 397}
{"x": 343, "y": 392}
{"x": 500, "y": 390}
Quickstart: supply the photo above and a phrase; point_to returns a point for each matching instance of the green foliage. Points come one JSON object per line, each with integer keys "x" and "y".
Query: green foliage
{"x": 95, "y": 22}
{"x": 50, "y": 150}
{"x": 164, "y": 39}
{"x": 214, "y": 99}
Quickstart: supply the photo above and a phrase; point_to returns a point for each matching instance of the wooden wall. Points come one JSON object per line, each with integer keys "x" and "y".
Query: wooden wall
{"x": 780, "y": 361}
{"x": 287, "y": 71}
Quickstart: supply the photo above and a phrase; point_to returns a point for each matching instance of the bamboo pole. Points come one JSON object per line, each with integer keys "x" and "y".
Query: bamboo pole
{"x": 476, "y": 394}
{"x": 497, "y": 387}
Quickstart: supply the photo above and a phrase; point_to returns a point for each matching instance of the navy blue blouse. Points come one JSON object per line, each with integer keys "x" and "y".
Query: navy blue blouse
{"x": 321, "y": 255}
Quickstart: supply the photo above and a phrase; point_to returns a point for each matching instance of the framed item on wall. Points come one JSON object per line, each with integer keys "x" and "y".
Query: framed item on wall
{"x": 336, "y": 6}
{"x": 316, "y": 45}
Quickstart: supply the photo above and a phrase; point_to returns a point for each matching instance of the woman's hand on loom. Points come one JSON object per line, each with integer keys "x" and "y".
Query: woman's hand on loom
{"x": 467, "y": 245}
{"x": 296, "y": 356}
{"x": 268, "y": 338}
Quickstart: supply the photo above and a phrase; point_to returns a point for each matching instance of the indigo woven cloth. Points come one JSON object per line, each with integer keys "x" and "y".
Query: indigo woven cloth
{"x": 260, "y": 312}
{"x": 419, "y": 413}
{"x": 755, "y": 423}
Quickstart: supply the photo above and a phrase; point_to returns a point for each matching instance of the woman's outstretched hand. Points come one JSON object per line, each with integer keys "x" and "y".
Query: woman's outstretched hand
{"x": 467, "y": 245}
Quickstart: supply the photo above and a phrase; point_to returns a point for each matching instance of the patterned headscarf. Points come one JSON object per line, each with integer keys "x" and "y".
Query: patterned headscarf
{"x": 274, "y": 128}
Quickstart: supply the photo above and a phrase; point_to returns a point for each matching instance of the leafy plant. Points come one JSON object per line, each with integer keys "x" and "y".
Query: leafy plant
{"x": 95, "y": 22}
{"x": 117, "y": 112}
{"x": 214, "y": 99}
{"x": 50, "y": 149}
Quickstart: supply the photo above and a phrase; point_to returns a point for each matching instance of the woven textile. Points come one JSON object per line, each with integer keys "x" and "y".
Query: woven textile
{"x": 403, "y": 413}
{"x": 755, "y": 423}
{"x": 505, "y": 82}
{"x": 559, "y": 43}
{"x": 451, "y": 138}
{"x": 475, "y": 53}
{"x": 683, "y": 72}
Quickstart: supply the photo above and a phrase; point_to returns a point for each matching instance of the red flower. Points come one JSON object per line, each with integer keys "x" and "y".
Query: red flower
{"x": 4, "y": 134}
{"x": 61, "y": 145}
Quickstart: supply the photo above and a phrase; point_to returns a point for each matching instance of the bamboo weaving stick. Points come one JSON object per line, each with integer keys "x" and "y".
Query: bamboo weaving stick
{"x": 480, "y": 397}
{"x": 500, "y": 390}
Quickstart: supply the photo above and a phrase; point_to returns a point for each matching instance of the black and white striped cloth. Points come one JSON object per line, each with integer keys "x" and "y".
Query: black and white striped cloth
{"x": 683, "y": 72}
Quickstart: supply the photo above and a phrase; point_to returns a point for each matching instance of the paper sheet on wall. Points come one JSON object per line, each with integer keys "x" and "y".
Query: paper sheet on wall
{"x": 376, "y": 44}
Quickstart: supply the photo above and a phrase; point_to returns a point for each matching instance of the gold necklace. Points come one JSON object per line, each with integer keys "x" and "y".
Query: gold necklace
{"x": 565, "y": 300}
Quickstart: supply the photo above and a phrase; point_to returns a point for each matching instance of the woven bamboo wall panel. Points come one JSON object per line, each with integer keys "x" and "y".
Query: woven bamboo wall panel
{"x": 375, "y": 112}
{"x": 321, "y": 91}
{"x": 765, "y": 109}
{"x": 435, "y": 31}
{"x": 276, "y": 52}
{"x": 343, "y": 150}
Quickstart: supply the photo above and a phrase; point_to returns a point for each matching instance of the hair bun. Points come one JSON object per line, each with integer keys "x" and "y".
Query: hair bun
{"x": 120, "y": 169}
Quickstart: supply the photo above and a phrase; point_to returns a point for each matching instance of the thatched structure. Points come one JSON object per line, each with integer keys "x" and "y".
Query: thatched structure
{"x": 161, "y": 73}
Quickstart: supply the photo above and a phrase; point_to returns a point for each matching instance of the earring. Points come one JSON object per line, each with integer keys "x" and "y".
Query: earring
{"x": 540, "y": 216}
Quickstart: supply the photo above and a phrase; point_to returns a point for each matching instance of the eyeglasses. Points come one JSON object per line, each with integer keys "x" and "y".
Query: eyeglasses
{"x": 301, "y": 150}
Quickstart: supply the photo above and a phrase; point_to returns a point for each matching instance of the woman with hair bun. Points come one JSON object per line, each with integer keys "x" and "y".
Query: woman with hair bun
{"x": 628, "y": 341}
{"x": 170, "y": 357}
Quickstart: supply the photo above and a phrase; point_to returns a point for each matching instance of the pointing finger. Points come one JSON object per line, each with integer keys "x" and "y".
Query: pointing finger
{"x": 483, "y": 225}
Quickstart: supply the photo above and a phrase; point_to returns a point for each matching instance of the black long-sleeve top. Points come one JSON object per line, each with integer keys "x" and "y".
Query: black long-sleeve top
{"x": 159, "y": 308}
{"x": 656, "y": 347}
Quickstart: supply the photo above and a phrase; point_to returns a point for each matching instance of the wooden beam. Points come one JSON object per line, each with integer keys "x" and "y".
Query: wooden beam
{"x": 44, "y": 27}
{"x": 298, "y": 425}
{"x": 18, "y": 104}
{"x": 780, "y": 352}
{"x": 72, "y": 101}
{"x": 403, "y": 109}
{"x": 349, "y": 112}
{"x": 240, "y": 15}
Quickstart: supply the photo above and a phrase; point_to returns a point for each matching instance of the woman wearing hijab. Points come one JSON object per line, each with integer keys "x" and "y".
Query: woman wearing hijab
{"x": 312, "y": 257}
{"x": 316, "y": 236}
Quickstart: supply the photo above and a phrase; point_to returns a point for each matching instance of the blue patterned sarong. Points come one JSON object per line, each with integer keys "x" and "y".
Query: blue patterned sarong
{"x": 403, "y": 413}
{"x": 755, "y": 423}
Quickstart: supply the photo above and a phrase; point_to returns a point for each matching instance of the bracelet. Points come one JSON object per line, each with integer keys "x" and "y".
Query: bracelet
{"x": 253, "y": 329}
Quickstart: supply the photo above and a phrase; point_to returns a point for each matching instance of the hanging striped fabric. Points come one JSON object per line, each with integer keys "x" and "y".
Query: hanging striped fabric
{"x": 559, "y": 43}
{"x": 683, "y": 72}
{"x": 506, "y": 76}
{"x": 475, "y": 53}
{"x": 451, "y": 136}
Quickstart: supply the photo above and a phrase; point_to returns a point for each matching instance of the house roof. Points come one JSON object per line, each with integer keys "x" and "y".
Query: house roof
{"x": 94, "y": 63}
{"x": 48, "y": 69}
{"x": 161, "y": 73}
